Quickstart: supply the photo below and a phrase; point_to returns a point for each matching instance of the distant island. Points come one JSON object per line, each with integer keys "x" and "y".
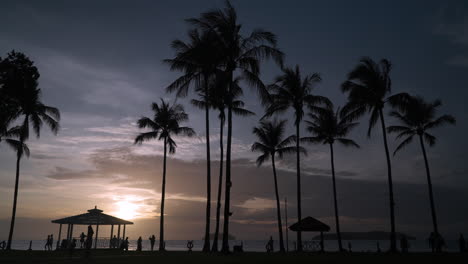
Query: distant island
{"x": 372, "y": 235}
{"x": 220, "y": 237}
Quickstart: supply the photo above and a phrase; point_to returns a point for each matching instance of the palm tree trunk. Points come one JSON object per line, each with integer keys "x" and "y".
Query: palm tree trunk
{"x": 163, "y": 195}
{"x": 393, "y": 247}
{"x": 220, "y": 188}
{"x": 337, "y": 220}
{"x": 227, "y": 193}
{"x": 429, "y": 184}
{"x": 206, "y": 245}
{"x": 15, "y": 199}
{"x": 278, "y": 208}
{"x": 298, "y": 172}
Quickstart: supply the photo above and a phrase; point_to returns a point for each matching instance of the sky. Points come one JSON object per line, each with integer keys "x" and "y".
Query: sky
{"x": 101, "y": 65}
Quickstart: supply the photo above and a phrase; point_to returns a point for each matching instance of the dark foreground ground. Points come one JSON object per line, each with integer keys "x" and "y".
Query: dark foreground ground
{"x": 110, "y": 256}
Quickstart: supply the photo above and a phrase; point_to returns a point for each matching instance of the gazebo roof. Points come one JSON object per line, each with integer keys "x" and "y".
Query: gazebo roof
{"x": 93, "y": 217}
{"x": 309, "y": 224}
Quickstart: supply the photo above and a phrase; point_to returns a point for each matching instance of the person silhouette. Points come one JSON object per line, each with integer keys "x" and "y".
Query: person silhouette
{"x": 462, "y": 243}
{"x": 269, "y": 245}
{"x": 126, "y": 244}
{"x": 89, "y": 237}
{"x": 51, "y": 241}
{"x": 350, "y": 247}
{"x": 139, "y": 246}
{"x": 152, "y": 240}
{"x": 431, "y": 241}
{"x": 114, "y": 242}
{"x": 82, "y": 239}
{"x": 46, "y": 246}
{"x": 378, "y": 247}
{"x": 404, "y": 244}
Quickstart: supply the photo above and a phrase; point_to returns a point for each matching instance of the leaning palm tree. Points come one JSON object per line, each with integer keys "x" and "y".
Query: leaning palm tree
{"x": 416, "y": 120}
{"x": 163, "y": 126}
{"x": 197, "y": 60}
{"x": 369, "y": 88}
{"x": 288, "y": 91}
{"x": 240, "y": 55}
{"x": 33, "y": 112}
{"x": 271, "y": 143}
{"x": 327, "y": 128}
{"x": 217, "y": 99}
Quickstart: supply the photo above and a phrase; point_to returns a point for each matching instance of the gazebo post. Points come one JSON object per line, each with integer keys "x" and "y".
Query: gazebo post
{"x": 95, "y": 239}
{"x": 321, "y": 242}
{"x": 71, "y": 232}
{"x": 112, "y": 234}
{"x": 123, "y": 236}
{"x": 118, "y": 237}
{"x": 58, "y": 239}
{"x": 68, "y": 232}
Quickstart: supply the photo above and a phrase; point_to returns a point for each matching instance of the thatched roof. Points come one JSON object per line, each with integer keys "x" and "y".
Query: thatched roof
{"x": 93, "y": 217}
{"x": 309, "y": 224}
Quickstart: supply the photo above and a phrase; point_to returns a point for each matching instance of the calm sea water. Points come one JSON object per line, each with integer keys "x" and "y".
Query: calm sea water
{"x": 255, "y": 245}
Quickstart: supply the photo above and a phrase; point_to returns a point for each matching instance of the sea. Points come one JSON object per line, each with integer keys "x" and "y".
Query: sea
{"x": 257, "y": 245}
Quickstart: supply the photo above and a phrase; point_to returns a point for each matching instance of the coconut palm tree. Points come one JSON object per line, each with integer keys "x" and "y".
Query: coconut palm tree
{"x": 291, "y": 91}
{"x": 271, "y": 143}
{"x": 163, "y": 126}
{"x": 217, "y": 100}
{"x": 33, "y": 112}
{"x": 327, "y": 128}
{"x": 240, "y": 55}
{"x": 198, "y": 60}
{"x": 416, "y": 120}
{"x": 369, "y": 89}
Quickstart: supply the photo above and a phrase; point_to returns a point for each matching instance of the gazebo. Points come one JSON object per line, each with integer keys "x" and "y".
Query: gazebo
{"x": 310, "y": 224}
{"x": 92, "y": 217}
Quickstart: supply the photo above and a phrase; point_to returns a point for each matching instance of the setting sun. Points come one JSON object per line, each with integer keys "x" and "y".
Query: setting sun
{"x": 126, "y": 210}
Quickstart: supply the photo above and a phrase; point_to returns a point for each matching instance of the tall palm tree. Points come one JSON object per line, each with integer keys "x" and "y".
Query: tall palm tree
{"x": 416, "y": 120}
{"x": 197, "y": 60}
{"x": 217, "y": 100}
{"x": 240, "y": 55}
{"x": 369, "y": 88}
{"x": 291, "y": 90}
{"x": 34, "y": 112}
{"x": 327, "y": 128}
{"x": 163, "y": 126}
{"x": 271, "y": 143}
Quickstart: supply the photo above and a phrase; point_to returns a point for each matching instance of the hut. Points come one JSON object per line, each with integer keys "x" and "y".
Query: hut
{"x": 92, "y": 217}
{"x": 310, "y": 224}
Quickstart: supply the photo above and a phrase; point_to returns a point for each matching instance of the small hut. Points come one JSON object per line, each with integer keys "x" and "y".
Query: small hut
{"x": 92, "y": 217}
{"x": 310, "y": 224}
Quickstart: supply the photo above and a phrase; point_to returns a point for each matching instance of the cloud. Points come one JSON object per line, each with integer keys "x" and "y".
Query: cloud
{"x": 61, "y": 173}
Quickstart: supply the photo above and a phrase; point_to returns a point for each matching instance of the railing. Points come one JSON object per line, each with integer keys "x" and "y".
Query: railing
{"x": 102, "y": 242}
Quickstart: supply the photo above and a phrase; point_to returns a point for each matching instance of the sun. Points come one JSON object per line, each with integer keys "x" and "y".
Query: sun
{"x": 126, "y": 210}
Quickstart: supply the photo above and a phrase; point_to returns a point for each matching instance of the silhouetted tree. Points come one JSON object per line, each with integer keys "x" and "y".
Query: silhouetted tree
{"x": 163, "y": 126}
{"x": 369, "y": 88}
{"x": 271, "y": 143}
{"x": 327, "y": 128}
{"x": 217, "y": 100}
{"x": 240, "y": 55}
{"x": 416, "y": 120}
{"x": 197, "y": 60}
{"x": 290, "y": 90}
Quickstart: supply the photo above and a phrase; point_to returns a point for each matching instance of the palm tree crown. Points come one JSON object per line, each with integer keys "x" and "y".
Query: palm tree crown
{"x": 164, "y": 124}
{"x": 418, "y": 117}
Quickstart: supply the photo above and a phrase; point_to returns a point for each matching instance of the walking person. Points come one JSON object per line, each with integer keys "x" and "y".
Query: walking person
{"x": 82, "y": 239}
{"x": 46, "y": 246}
{"x": 152, "y": 240}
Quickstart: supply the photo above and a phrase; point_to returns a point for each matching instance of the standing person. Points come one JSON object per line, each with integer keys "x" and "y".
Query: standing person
{"x": 404, "y": 244}
{"x": 114, "y": 242}
{"x": 51, "y": 241}
{"x": 139, "y": 246}
{"x": 462, "y": 243}
{"x": 126, "y": 244}
{"x": 82, "y": 239}
{"x": 46, "y": 246}
{"x": 89, "y": 237}
{"x": 152, "y": 240}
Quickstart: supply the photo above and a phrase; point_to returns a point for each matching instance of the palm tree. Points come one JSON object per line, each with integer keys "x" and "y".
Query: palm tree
{"x": 239, "y": 54}
{"x": 35, "y": 112}
{"x": 217, "y": 100}
{"x": 416, "y": 120}
{"x": 290, "y": 90}
{"x": 369, "y": 88}
{"x": 327, "y": 128}
{"x": 198, "y": 61}
{"x": 163, "y": 126}
{"x": 271, "y": 143}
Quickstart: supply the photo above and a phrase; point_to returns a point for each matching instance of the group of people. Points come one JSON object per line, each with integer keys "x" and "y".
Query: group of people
{"x": 49, "y": 242}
